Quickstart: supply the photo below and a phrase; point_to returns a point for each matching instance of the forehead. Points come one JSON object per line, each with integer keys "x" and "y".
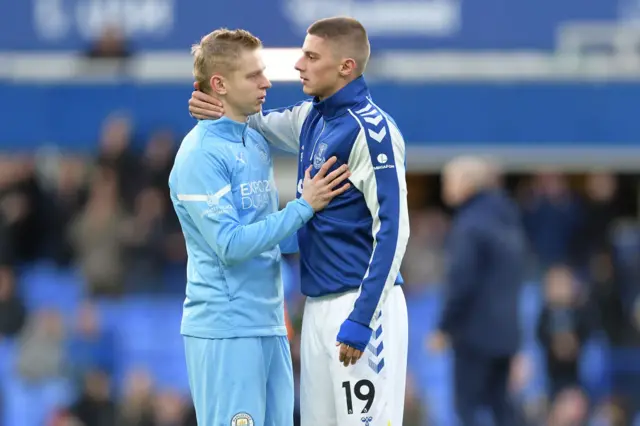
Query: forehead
{"x": 315, "y": 44}
{"x": 250, "y": 61}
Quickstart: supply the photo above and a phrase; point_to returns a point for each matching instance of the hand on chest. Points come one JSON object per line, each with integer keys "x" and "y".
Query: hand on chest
{"x": 318, "y": 148}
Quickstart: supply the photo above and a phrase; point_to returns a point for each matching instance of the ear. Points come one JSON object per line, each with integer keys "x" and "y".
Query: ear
{"x": 218, "y": 84}
{"x": 347, "y": 67}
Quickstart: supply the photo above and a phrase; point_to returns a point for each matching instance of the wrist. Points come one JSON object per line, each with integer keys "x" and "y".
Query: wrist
{"x": 355, "y": 334}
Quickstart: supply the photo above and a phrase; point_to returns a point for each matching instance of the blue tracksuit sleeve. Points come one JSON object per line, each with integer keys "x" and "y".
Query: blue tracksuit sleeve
{"x": 205, "y": 190}
{"x": 290, "y": 245}
{"x": 282, "y": 126}
{"x": 377, "y": 164}
{"x": 462, "y": 272}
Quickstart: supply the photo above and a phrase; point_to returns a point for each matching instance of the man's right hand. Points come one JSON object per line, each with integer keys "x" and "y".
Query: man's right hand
{"x": 203, "y": 106}
{"x": 319, "y": 190}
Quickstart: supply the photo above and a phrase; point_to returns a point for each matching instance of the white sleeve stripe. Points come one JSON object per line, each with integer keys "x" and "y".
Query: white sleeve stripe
{"x": 192, "y": 197}
{"x": 370, "y": 190}
{"x": 205, "y": 197}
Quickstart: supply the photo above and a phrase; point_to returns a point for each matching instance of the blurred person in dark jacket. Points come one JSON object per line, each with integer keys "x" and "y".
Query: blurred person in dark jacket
{"x": 116, "y": 153}
{"x": 563, "y": 327}
{"x": 145, "y": 241}
{"x": 552, "y": 217}
{"x": 66, "y": 197}
{"x": 95, "y": 406}
{"x": 12, "y": 310}
{"x": 600, "y": 212}
{"x": 484, "y": 278}
{"x": 21, "y": 209}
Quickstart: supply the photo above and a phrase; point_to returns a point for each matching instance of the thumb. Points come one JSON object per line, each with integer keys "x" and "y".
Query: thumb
{"x": 196, "y": 85}
{"x": 307, "y": 173}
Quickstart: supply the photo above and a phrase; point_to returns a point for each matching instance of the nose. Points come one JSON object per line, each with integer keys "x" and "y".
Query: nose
{"x": 266, "y": 84}
{"x": 298, "y": 66}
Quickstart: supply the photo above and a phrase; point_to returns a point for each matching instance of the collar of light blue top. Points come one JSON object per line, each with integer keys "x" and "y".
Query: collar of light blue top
{"x": 231, "y": 130}
{"x": 347, "y": 97}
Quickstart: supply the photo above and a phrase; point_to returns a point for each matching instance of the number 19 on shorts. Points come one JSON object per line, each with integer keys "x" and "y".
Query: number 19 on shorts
{"x": 363, "y": 390}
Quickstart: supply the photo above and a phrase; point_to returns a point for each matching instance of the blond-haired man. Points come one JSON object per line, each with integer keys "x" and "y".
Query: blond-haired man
{"x": 223, "y": 192}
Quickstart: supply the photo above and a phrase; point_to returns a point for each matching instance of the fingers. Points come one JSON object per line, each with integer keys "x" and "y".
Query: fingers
{"x": 344, "y": 188}
{"x": 202, "y": 100}
{"x": 348, "y": 355}
{"x": 199, "y": 113}
{"x": 325, "y": 168}
{"x": 338, "y": 175}
{"x": 206, "y": 104}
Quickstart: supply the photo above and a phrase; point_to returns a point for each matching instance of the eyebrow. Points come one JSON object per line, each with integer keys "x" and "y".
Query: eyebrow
{"x": 251, "y": 74}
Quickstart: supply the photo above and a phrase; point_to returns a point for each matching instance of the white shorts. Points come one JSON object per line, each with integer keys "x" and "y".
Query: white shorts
{"x": 369, "y": 393}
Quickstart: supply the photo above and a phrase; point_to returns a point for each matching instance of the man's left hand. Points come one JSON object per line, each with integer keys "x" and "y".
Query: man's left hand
{"x": 352, "y": 339}
{"x": 348, "y": 355}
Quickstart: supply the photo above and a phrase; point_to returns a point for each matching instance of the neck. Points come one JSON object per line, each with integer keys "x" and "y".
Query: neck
{"x": 232, "y": 113}
{"x": 335, "y": 90}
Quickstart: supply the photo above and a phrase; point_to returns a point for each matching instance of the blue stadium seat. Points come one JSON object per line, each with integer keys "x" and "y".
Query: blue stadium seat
{"x": 28, "y": 404}
{"x": 43, "y": 285}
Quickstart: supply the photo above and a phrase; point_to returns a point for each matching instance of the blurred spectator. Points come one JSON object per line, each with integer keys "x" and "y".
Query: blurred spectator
{"x": 21, "y": 224}
{"x": 65, "y": 198}
{"x": 89, "y": 347}
{"x": 109, "y": 54}
{"x": 115, "y": 152}
{"x": 41, "y": 352}
{"x": 136, "y": 407}
{"x": 571, "y": 408}
{"x": 157, "y": 160}
{"x": 565, "y": 324}
{"x": 173, "y": 410}
{"x": 145, "y": 241}
{"x": 112, "y": 44}
{"x": 614, "y": 300}
{"x": 12, "y": 310}
{"x": 95, "y": 407}
{"x": 96, "y": 235}
{"x": 552, "y": 218}
{"x": 599, "y": 210}
{"x": 424, "y": 258}
{"x": 486, "y": 270}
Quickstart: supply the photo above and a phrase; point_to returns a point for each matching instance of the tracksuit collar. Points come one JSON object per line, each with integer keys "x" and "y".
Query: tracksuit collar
{"x": 349, "y": 96}
{"x": 231, "y": 130}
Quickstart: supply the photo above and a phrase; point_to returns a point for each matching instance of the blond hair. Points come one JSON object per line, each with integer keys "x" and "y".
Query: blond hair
{"x": 347, "y": 33}
{"x": 218, "y": 52}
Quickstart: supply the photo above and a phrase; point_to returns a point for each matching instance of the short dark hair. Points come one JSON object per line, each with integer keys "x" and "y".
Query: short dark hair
{"x": 349, "y": 34}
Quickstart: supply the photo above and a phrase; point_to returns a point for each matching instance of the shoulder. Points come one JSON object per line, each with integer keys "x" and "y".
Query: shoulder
{"x": 201, "y": 150}
{"x": 374, "y": 124}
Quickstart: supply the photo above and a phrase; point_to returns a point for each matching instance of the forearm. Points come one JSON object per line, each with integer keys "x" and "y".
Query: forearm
{"x": 239, "y": 243}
